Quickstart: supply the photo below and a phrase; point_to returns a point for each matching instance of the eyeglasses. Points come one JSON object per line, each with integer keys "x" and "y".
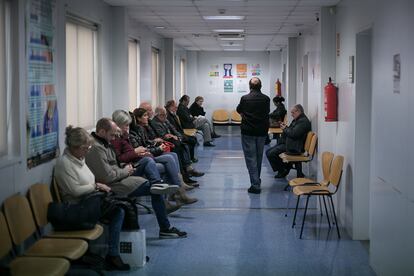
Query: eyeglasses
{"x": 85, "y": 147}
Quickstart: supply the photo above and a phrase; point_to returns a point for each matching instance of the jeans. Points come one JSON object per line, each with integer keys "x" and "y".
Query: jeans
{"x": 157, "y": 202}
{"x": 148, "y": 168}
{"x": 115, "y": 227}
{"x": 172, "y": 169}
{"x": 253, "y": 154}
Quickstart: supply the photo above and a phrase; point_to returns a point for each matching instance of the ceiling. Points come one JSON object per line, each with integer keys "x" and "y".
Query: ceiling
{"x": 267, "y": 24}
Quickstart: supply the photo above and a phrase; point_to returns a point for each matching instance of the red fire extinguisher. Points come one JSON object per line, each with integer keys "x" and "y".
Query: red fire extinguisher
{"x": 278, "y": 88}
{"x": 331, "y": 102}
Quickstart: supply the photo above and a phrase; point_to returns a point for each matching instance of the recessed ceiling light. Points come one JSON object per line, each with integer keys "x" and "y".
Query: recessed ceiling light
{"x": 231, "y": 45}
{"x": 233, "y": 49}
{"x": 224, "y": 17}
{"x": 229, "y": 30}
{"x": 159, "y": 27}
{"x": 231, "y": 38}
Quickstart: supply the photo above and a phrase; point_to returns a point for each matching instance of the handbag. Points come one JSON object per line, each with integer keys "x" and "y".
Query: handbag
{"x": 83, "y": 215}
{"x": 168, "y": 146}
{"x": 111, "y": 203}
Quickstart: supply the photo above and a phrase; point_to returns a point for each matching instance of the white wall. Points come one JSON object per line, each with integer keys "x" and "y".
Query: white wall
{"x": 198, "y": 66}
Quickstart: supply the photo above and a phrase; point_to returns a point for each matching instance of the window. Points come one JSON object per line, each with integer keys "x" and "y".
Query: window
{"x": 81, "y": 73}
{"x": 182, "y": 77}
{"x": 4, "y": 75}
{"x": 155, "y": 76}
{"x": 133, "y": 74}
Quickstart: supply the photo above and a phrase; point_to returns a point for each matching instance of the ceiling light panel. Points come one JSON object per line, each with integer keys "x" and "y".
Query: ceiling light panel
{"x": 224, "y": 17}
{"x": 228, "y": 30}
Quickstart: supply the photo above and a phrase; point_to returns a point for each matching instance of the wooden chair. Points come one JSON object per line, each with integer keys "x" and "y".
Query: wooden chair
{"x": 277, "y": 130}
{"x": 321, "y": 190}
{"x": 326, "y": 166}
{"x": 22, "y": 226}
{"x": 220, "y": 117}
{"x": 235, "y": 118}
{"x": 21, "y": 265}
{"x": 40, "y": 197}
{"x": 297, "y": 160}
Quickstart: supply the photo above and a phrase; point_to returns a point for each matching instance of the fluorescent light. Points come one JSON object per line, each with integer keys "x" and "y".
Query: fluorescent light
{"x": 232, "y": 49}
{"x": 231, "y": 38}
{"x": 224, "y": 17}
{"x": 159, "y": 27}
{"x": 231, "y": 45}
{"x": 229, "y": 30}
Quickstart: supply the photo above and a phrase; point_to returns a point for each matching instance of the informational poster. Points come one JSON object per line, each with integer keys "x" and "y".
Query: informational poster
{"x": 241, "y": 70}
{"x": 396, "y": 73}
{"x": 228, "y": 86}
{"x": 214, "y": 71}
{"x": 255, "y": 70}
{"x": 242, "y": 85}
{"x": 42, "y": 111}
{"x": 227, "y": 70}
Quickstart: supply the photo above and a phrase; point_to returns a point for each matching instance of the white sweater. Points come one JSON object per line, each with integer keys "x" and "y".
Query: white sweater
{"x": 73, "y": 177}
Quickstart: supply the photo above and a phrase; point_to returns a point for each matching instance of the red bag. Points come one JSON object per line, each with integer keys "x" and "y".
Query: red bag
{"x": 168, "y": 146}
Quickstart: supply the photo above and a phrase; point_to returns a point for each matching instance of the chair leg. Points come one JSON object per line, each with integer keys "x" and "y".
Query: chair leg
{"x": 296, "y": 211}
{"x": 334, "y": 214}
{"x": 286, "y": 188}
{"x": 299, "y": 172}
{"x": 320, "y": 205}
{"x": 330, "y": 212}
{"x": 288, "y": 201}
{"x": 326, "y": 212}
{"x": 304, "y": 216}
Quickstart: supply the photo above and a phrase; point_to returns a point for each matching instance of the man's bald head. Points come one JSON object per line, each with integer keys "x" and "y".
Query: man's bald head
{"x": 255, "y": 84}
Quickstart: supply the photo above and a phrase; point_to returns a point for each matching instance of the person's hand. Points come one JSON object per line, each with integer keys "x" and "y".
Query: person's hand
{"x": 163, "y": 147}
{"x": 140, "y": 150}
{"x": 168, "y": 136}
{"x": 175, "y": 137}
{"x": 102, "y": 187}
{"x": 158, "y": 140}
{"x": 283, "y": 125}
{"x": 130, "y": 169}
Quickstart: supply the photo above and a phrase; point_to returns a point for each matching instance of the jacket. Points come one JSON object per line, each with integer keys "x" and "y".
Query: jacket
{"x": 139, "y": 138}
{"x": 164, "y": 128}
{"x": 197, "y": 110}
{"x": 254, "y": 109}
{"x": 279, "y": 113}
{"x": 101, "y": 160}
{"x": 185, "y": 117}
{"x": 295, "y": 134}
{"x": 125, "y": 152}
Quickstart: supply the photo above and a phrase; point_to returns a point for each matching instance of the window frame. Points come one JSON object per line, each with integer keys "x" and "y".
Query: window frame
{"x": 137, "y": 45}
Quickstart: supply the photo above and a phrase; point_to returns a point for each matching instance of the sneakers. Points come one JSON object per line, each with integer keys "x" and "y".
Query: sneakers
{"x": 115, "y": 263}
{"x": 254, "y": 190}
{"x": 162, "y": 189}
{"x": 209, "y": 144}
{"x": 172, "y": 233}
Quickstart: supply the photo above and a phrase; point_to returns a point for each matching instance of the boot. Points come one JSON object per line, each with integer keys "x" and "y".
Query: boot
{"x": 181, "y": 196}
{"x": 169, "y": 208}
{"x": 183, "y": 184}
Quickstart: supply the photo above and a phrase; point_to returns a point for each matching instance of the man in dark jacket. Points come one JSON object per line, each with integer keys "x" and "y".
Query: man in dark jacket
{"x": 254, "y": 109}
{"x": 292, "y": 141}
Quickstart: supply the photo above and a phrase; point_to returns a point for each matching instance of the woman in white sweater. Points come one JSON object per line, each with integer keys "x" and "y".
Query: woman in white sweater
{"x": 75, "y": 181}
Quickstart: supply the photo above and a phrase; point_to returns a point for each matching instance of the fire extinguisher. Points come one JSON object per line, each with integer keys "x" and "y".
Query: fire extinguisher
{"x": 331, "y": 102}
{"x": 278, "y": 88}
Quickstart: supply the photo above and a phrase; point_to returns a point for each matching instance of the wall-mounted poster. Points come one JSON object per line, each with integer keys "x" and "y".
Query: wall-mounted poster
{"x": 228, "y": 86}
{"x": 214, "y": 71}
{"x": 241, "y": 70}
{"x": 242, "y": 85}
{"x": 397, "y": 73}
{"x": 42, "y": 113}
{"x": 227, "y": 70}
{"x": 255, "y": 70}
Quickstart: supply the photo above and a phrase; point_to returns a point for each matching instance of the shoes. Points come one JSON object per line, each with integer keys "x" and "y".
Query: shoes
{"x": 195, "y": 173}
{"x": 162, "y": 189}
{"x": 170, "y": 208}
{"x": 215, "y": 135}
{"x": 115, "y": 263}
{"x": 172, "y": 233}
{"x": 186, "y": 186}
{"x": 194, "y": 160}
{"x": 182, "y": 197}
{"x": 282, "y": 173}
{"x": 209, "y": 144}
{"x": 254, "y": 190}
{"x": 189, "y": 181}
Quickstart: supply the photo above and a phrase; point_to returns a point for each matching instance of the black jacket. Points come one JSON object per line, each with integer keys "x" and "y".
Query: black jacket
{"x": 197, "y": 110}
{"x": 185, "y": 117}
{"x": 139, "y": 137}
{"x": 254, "y": 109}
{"x": 279, "y": 113}
{"x": 295, "y": 135}
{"x": 164, "y": 128}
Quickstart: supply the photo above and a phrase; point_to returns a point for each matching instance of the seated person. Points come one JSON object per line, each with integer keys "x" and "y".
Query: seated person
{"x": 166, "y": 131}
{"x": 75, "y": 181}
{"x": 278, "y": 115}
{"x": 101, "y": 159}
{"x": 197, "y": 110}
{"x": 191, "y": 141}
{"x": 127, "y": 153}
{"x": 188, "y": 121}
{"x": 292, "y": 141}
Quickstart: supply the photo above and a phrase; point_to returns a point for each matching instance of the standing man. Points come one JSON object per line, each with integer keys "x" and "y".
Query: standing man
{"x": 254, "y": 109}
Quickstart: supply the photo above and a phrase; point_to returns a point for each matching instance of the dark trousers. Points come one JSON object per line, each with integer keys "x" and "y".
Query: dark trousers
{"x": 272, "y": 155}
{"x": 191, "y": 141}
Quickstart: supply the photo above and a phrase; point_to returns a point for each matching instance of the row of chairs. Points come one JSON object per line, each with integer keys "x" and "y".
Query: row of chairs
{"x": 306, "y": 187}
{"x": 223, "y": 117}
{"x": 25, "y": 218}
